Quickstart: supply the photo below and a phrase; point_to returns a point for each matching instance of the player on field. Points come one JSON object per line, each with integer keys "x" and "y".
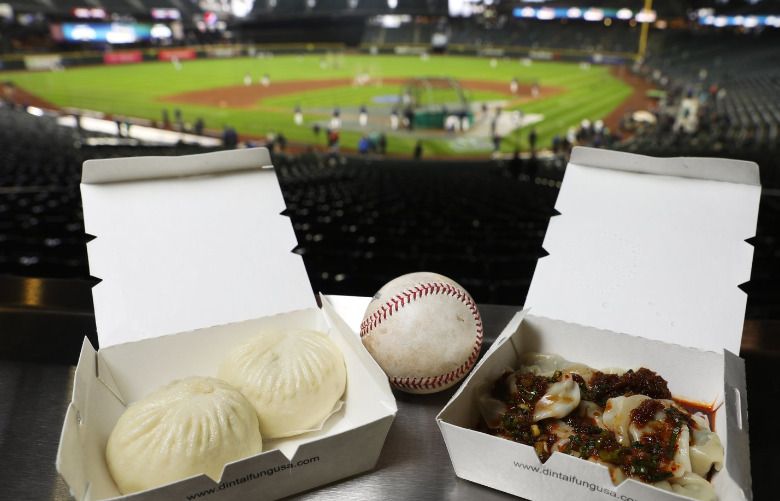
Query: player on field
{"x": 298, "y": 115}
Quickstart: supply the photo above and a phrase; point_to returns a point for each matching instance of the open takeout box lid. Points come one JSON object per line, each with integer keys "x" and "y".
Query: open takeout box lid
{"x": 653, "y": 247}
{"x": 188, "y": 242}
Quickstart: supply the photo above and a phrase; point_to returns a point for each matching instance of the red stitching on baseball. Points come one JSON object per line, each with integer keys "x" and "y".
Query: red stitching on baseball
{"x": 406, "y": 297}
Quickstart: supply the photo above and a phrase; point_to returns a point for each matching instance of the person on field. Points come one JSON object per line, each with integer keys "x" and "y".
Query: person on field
{"x": 394, "y": 120}
{"x": 418, "y": 150}
{"x": 409, "y": 118}
{"x": 496, "y": 144}
{"x": 363, "y": 115}
{"x": 465, "y": 121}
{"x": 333, "y": 139}
{"x": 179, "y": 119}
{"x": 451, "y": 123}
{"x": 335, "y": 119}
{"x": 298, "y": 115}
{"x": 364, "y": 145}
{"x": 229, "y": 137}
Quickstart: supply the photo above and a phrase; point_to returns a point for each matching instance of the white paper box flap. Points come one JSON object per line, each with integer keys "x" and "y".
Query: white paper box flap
{"x": 653, "y": 247}
{"x": 188, "y": 242}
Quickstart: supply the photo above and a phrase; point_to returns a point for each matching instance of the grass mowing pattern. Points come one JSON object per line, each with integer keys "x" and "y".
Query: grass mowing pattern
{"x": 135, "y": 90}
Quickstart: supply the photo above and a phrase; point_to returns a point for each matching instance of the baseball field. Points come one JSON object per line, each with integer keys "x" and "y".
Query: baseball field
{"x": 551, "y": 95}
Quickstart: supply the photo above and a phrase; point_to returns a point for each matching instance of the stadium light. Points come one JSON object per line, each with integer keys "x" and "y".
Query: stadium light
{"x": 705, "y": 12}
{"x": 646, "y": 16}
{"x": 545, "y": 14}
{"x": 593, "y": 15}
{"x": 241, "y": 8}
{"x": 6, "y": 12}
{"x": 750, "y": 22}
{"x": 721, "y": 21}
{"x": 161, "y": 13}
{"x": 527, "y": 12}
{"x": 89, "y": 13}
{"x": 120, "y": 34}
{"x": 83, "y": 33}
{"x": 391, "y": 20}
{"x": 624, "y": 14}
{"x": 574, "y": 13}
{"x": 161, "y": 31}
{"x": 392, "y": 3}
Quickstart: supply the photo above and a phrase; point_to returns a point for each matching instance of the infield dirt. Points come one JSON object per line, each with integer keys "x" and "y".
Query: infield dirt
{"x": 248, "y": 96}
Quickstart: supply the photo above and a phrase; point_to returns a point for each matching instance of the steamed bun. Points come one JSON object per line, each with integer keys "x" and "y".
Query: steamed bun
{"x": 294, "y": 379}
{"x": 189, "y": 427}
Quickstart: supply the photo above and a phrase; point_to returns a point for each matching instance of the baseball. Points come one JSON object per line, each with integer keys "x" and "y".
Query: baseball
{"x": 424, "y": 330}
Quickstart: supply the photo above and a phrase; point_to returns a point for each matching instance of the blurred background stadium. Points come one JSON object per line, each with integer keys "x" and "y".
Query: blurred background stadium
{"x": 408, "y": 135}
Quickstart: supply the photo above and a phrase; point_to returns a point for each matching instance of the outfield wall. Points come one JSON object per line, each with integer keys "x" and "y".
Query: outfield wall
{"x": 128, "y": 56}
{"x": 54, "y": 61}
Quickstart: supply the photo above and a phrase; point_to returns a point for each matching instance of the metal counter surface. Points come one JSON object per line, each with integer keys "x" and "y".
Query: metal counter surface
{"x": 413, "y": 465}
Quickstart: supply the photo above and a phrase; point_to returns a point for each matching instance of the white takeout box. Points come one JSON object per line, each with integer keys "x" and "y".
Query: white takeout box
{"x": 195, "y": 257}
{"x": 650, "y": 247}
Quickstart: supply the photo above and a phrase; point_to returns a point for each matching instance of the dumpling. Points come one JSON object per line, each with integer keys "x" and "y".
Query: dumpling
{"x": 706, "y": 448}
{"x": 562, "y": 432}
{"x": 542, "y": 364}
{"x": 492, "y": 410}
{"x": 189, "y": 427}
{"x": 617, "y": 416}
{"x": 294, "y": 379}
{"x": 591, "y": 411}
{"x": 559, "y": 400}
{"x": 691, "y": 485}
{"x": 681, "y": 462}
{"x": 682, "y": 454}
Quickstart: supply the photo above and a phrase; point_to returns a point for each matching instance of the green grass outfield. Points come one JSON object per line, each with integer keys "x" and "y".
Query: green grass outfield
{"x": 135, "y": 90}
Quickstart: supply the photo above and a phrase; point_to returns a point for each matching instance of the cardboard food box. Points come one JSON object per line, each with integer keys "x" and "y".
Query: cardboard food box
{"x": 194, "y": 258}
{"x": 644, "y": 264}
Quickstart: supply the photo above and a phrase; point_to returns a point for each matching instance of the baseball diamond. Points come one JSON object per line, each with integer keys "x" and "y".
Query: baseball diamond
{"x": 214, "y": 90}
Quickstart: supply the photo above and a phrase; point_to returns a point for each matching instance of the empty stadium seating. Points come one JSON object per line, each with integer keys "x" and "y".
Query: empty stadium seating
{"x": 359, "y": 221}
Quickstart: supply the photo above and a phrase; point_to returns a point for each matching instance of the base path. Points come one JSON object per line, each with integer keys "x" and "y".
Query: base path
{"x": 247, "y": 96}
